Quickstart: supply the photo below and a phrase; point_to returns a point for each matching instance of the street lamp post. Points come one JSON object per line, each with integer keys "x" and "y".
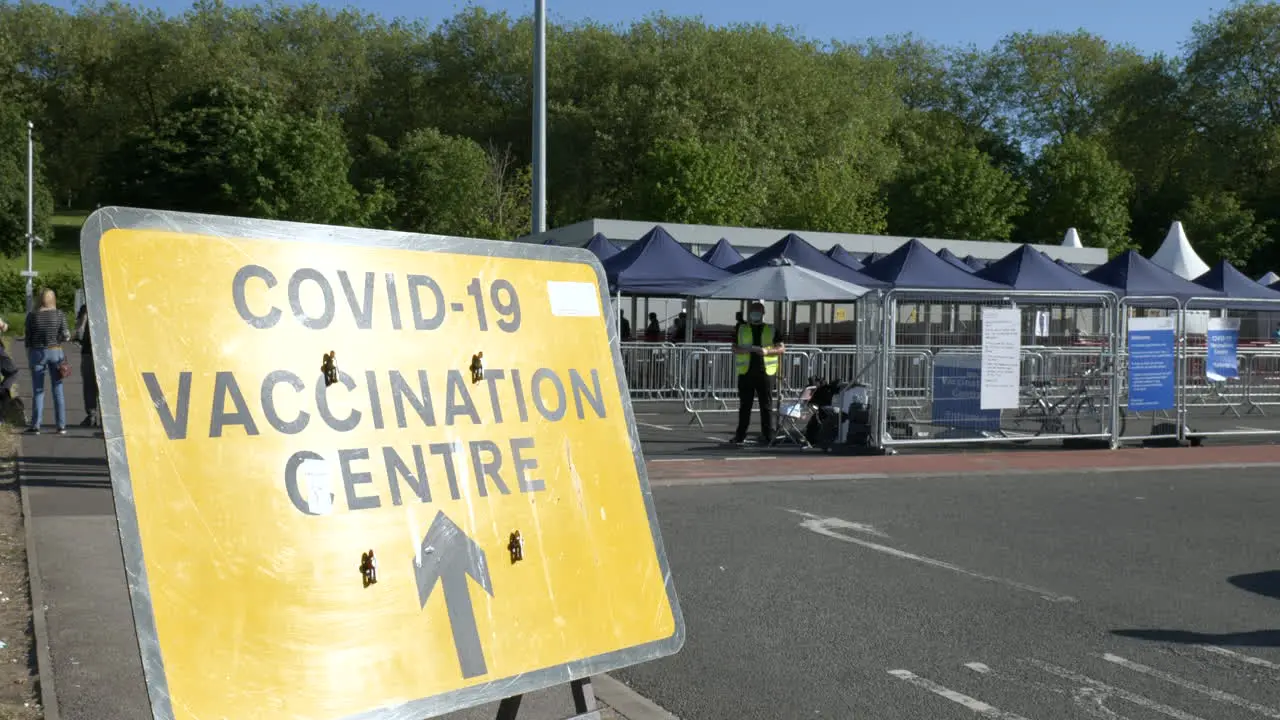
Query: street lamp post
{"x": 539, "y": 199}
{"x": 31, "y": 211}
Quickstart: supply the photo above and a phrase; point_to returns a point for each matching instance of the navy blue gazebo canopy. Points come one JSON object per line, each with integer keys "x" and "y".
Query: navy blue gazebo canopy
{"x": 1063, "y": 263}
{"x": 602, "y": 247}
{"x": 915, "y": 266}
{"x": 975, "y": 262}
{"x": 800, "y": 252}
{"x": 658, "y": 266}
{"x": 1136, "y": 276}
{"x": 845, "y": 258}
{"x": 1225, "y": 278}
{"x": 722, "y": 255}
{"x": 954, "y": 259}
{"x": 1028, "y": 268}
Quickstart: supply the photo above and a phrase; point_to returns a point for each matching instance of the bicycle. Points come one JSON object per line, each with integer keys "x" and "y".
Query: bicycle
{"x": 1043, "y": 416}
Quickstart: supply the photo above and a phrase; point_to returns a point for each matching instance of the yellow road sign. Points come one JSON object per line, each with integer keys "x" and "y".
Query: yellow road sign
{"x": 449, "y": 509}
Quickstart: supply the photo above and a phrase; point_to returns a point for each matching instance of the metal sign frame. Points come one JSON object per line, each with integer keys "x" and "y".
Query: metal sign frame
{"x": 216, "y": 227}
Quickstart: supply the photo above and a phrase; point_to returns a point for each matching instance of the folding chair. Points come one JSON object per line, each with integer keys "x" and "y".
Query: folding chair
{"x": 794, "y": 416}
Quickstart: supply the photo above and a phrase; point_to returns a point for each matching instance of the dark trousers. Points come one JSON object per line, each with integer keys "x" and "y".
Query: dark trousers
{"x": 90, "y": 380}
{"x": 753, "y": 387}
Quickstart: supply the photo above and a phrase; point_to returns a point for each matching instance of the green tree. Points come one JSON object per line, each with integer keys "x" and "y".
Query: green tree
{"x": 449, "y": 185}
{"x": 228, "y": 150}
{"x": 1052, "y": 83}
{"x": 1223, "y": 229}
{"x": 1074, "y": 184}
{"x": 955, "y": 192}
{"x": 690, "y": 181}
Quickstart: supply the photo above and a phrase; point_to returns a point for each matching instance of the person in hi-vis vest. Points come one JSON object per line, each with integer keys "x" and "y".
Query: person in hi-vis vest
{"x": 756, "y": 353}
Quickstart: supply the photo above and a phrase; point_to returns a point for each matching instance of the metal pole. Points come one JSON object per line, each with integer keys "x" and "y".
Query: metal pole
{"x": 539, "y": 116}
{"x": 31, "y": 207}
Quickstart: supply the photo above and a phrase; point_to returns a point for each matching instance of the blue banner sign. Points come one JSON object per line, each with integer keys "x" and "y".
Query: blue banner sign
{"x": 1151, "y": 364}
{"x": 1222, "y": 338}
{"x": 957, "y": 394}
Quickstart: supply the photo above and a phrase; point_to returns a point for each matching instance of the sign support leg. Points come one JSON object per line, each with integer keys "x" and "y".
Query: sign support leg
{"x": 584, "y": 703}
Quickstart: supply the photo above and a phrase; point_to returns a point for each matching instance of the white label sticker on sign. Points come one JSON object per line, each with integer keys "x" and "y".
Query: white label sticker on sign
{"x": 573, "y": 299}
{"x": 317, "y": 482}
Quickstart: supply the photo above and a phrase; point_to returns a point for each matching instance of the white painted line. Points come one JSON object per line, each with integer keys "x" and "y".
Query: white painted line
{"x": 1134, "y": 698}
{"x": 658, "y": 427}
{"x": 841, "y": 524}
{"x": 1241, "y": 657}
{"x": 825, "y": 527}
{"x": 753, "y": 457}
{"x": 978, "y": 668}
{"x": 975, "y": 705}
{"x": 1220, "y": 696}
{"x": 1256, "y": 429}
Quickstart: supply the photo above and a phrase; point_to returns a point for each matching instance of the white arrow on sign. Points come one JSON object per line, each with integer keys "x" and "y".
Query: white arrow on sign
{"x": 832, "y": 526}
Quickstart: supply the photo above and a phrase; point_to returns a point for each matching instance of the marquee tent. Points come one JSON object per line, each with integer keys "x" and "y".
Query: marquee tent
{"x": 1137, "y": 276}
{"x": 781, "y": 281}
{"x": 1030, "y": 269}
{"x": 658, "y": 266}
{"x": 1224, "y": 278}
{"x": 845, "y": 258}
{"x": 722, "y": 254}
{"x": 975, "y": 263}
{"x": 915, "y": 266}
{"x": 1063, "y": 263}
{"x": 602, "y": 247}
{"x": 1072, "y": 239}
{"x": 799, "y": 252}
{"x": 1269, "y": 279}
{"x": 1177, "y": 256}
{"x": 954, "y": 259}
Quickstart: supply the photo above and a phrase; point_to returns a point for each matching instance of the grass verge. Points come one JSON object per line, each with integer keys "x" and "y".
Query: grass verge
{"x": 19, "y": 680}
{"x": 59, "y": 253}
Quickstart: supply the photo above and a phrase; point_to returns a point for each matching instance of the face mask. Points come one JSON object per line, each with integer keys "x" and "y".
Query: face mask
{"x": 756, "y": 317}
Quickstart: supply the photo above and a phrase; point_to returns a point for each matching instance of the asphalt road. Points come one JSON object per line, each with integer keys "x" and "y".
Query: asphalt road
{"x": 1126, "y": 596}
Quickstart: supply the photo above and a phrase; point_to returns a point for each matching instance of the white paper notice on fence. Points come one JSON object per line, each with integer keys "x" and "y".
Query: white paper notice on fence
{"x": 1001, "y": 358}
{"x": 1042, "y": 323}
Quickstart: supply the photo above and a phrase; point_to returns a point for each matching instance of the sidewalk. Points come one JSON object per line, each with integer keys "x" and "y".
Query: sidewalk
{"x": 762, "y": 467}
{"x": 97, "y": 671}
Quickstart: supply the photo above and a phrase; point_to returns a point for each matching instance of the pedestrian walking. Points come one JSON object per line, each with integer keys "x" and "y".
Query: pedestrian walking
{"x": 88, "y": 376}
{"x": 755, "y": 357}
{"x": 46, "y": 332}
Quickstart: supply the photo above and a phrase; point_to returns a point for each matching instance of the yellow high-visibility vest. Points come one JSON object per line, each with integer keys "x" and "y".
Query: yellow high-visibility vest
{"x": 742, "y": 361}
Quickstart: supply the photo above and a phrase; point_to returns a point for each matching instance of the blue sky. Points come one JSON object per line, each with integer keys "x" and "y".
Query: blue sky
{"x": 1149, "y": 25}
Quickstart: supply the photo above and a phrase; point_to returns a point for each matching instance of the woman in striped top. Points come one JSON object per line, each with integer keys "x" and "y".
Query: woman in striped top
{"x": 46, "y": 331}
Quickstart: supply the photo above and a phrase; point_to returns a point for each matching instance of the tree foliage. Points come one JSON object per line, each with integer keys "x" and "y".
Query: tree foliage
{"x": 312, "y": 114}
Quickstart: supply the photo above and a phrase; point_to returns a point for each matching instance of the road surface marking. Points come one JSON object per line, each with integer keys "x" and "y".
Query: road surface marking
{"x": 1249, "y": 659}
{"x": 651, "y": 425}
{"x": 1091, "y": 701}
{"x": 1134, "y": 698}
{"x": 961, "y": 699}
{"x": 840, "y": 524}
{"x": 1220, "y": 696}
{"x": 829, "y": 526}
{"x": 978, "y": 667}
{"x": 1255, "y": 429}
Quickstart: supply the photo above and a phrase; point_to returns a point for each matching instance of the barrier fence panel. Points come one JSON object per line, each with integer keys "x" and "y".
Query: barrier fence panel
{"x": 1150, "y": 404}
{"x": 1232, "y": 369}
{"x": 1053, "y": 377}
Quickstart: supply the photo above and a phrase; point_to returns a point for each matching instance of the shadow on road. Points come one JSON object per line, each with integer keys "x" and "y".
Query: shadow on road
{"x": 75, "y": 472}
{"x": 1262, "y": 583}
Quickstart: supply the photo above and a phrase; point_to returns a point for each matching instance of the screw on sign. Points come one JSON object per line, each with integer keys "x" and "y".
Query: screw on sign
{"x": 404, "y": 452}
